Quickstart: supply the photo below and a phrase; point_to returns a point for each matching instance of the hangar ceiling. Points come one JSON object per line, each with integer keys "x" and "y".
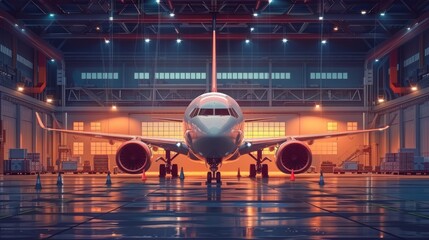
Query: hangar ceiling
{"x": 69, "y": 22}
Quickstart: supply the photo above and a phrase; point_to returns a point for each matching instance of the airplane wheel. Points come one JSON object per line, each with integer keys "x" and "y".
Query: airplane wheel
{"x": 252, "y": 172}
{"x": 209, "y": 178}
{"x": 162, "y": 171}
{"x": 174, "y": 171}
{"x": 218, "y": 178}
{"x": 264, "y": 170}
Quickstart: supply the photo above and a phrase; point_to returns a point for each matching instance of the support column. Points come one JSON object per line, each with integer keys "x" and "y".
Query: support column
{"x": 401, "y": 128}
{"x": 417, "y": 129}
{"x": 270, "y": 83}
{"x": 18, "y": 126}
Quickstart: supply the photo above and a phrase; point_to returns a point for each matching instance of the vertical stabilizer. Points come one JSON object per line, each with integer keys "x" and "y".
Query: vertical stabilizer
{"x": 214, "y": 74}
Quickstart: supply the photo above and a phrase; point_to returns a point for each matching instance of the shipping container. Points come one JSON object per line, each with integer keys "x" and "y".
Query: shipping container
{"x": 17, "y": 153}
{"x": 19, "y": 166}
{"x": 69, "y": 166}
{"x": 350, "y": 165}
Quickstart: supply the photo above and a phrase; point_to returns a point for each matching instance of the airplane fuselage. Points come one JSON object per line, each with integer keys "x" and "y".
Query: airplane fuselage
{"x": 213, "y": 127}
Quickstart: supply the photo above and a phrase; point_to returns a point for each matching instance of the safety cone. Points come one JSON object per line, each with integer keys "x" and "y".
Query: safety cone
{"x": 38, "y": 182}
{"x": 322, "y": 180}
{"x": 59, "y": 179}
{"x": 108, "y": 180}
{"x": 292, "y": 176}
{"x": 144, "y": 176}
{"x": 238, "y": 173}
{"x": 182, "y": 175}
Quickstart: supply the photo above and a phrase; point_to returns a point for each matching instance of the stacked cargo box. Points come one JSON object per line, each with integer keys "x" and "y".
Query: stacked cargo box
{"x": 69, "y": 166}
{"x": 86, "y": 166}
{"x": 17, "y": 163}
{"x": 327, "y": 167}
{"x": 101, "y": 163}
{"x": 35, "y": 163}
{"x": 403, "y": 161}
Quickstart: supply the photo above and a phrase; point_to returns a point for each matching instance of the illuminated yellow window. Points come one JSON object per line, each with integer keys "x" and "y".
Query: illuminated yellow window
{"x": 77, "y": 148}
{"x": 104, "y": 148}
{"x": 352, "y": 126}
{"x": 332, "y": 126}
{"x": 264, "y": 130}
{"x": 78, "y": 126}
{"x": 324, "y": 148}
{"x": 95, "y": 126}
{"x": 162, "y": 129}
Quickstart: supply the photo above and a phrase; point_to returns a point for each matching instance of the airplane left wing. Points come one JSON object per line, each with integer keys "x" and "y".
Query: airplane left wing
{"x": 251, "y": 145}
{"x": 166, "y": 143}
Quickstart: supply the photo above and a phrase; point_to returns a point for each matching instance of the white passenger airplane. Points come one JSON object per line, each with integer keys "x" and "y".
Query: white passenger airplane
{"x": 213, "y": 132}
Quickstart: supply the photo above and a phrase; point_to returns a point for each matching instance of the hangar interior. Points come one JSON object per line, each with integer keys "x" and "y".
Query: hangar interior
{"x": 309, "y": 66}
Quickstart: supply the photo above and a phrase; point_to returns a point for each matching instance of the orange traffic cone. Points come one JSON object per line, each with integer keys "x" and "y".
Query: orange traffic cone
{"x": 238, "y": 173}
{"x": 292, "y": 176}
{"x": 144, "y": 176}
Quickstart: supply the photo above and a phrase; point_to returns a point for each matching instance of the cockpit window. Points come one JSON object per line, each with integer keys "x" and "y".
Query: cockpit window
{"x": 206, "y": 112}
{"x": 194, "y": 112}
{"x": 221, "y": 112}
{"x": 233, "y": 112}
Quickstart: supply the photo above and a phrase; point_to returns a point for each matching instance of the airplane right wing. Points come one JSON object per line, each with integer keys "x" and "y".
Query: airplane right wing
{"x": 166, "y": 143}
{"x": 251, "y": 145}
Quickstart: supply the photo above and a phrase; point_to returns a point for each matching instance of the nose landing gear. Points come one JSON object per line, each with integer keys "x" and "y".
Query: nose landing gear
{"x": 259, "y": 168}
{"x": 168, "y": 168}
{"x": 213, "y": 174}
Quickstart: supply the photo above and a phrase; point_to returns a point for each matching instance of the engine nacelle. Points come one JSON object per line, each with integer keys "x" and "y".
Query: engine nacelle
{"x": 133, "y": 157}
{"x": 293, "y": 155}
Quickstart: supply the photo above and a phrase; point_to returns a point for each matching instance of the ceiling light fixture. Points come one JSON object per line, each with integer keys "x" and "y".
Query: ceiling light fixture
{"x": 284, "y": 40}
{"x": 363, "y": 12}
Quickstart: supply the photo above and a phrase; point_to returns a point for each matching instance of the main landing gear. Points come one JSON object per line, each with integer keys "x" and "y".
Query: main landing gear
{"x": 168, "y": 168}
{"x": 213, "y": 174}
{"x": 259, "y": 168}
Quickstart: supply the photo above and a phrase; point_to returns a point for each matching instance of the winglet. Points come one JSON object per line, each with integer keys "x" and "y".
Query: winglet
{"x": 39, "y": 120}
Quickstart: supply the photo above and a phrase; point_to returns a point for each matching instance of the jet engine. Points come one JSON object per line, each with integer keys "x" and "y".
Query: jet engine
{"x": 293, "y": 155}
{"x": 133, "y": 157}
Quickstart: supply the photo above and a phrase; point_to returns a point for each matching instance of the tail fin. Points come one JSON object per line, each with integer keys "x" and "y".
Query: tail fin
{"x": 214, "y": 73}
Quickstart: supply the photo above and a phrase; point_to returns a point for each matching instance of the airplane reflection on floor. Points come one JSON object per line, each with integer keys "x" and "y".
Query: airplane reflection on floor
{"x": 351, "y": 206}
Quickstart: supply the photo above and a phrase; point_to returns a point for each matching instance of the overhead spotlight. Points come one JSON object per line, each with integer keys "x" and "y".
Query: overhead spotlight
{"x": 22, "y": 30}
{"x": 324, "y": 41}
{"x": 320, "y": 18}
{"x": 16, "y": 25}
{"x": 284, "y": 40}
{"x": 382, "y": 14}
{"x": 147, "y": 40}
{"x": 414, "y": 87}
{"x": 110, "y": 18}
{"x": 107, "y": 41}
{"x": 114, "y": 108}
{"x": 49, "y": 98}
{"x": 270, "y": 1}
{"x": 252, "y": 29}
{"x": 335, "y": 28}
{"x": 363, "y": 12}
{"x": 172, "y": 14}
{"x": 157, "y": 1}
{"x": 98, "y": 28}
{"x": 380, "y": 99}
{"x": 20, "y": 87}
{"x": 247, "y": 41}
{"x": 51, "y": 15}
{"x": 376, "y": 60}
{"x": 317, "y": 106}
{"x": 178, "y": 40}
{"x": 255, "y": 14}
{"x": 408, "y": 28}
{"x": 52, "y": 60}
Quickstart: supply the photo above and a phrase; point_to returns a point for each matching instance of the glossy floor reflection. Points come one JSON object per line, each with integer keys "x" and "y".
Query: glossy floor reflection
{"x": 348, "y": 206}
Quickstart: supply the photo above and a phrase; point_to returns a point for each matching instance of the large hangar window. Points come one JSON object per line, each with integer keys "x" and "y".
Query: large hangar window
{"x": 329, "y": 75}
{"x": 78, "y": 148}
{"x": 104, "y": 148}
{"x": 100, "y": 75}
{"x": 324, "y": 148}
{"x": 162, "y": 129}
{"x": 78, "y": 126}
{"x": 264, "y": 130}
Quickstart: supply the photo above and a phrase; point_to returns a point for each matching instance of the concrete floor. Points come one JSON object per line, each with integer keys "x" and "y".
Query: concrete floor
{"x": 348, "y": 206}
